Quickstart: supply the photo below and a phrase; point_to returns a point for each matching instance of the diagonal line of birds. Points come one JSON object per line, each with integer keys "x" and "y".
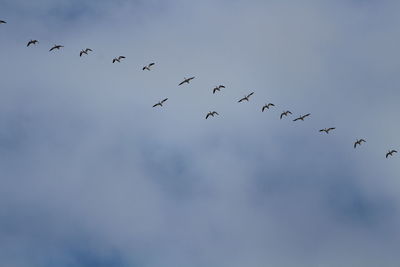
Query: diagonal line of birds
{"x": 216, "y": 89}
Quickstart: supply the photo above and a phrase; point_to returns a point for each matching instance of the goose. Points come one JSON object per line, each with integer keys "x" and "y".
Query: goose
{"x": 118, "y": 59}
{"x": 32, "y": 42}
{"x": 266, "y": 106}
{"x": 302, "y": 117}
{"x": 359, "y": 142}
{"x": 186, "y": 80}
{"x": 85, "y": 51}
{"x": 56, "y": 47}
{"x": 246, "y": 97}
{"x": 327, "y": 130}
{"x": 218, "y": 88}
{"x": 390, "y": 153}
{"x": 211, "y": 113}
{"x": 285, "y": 113}
{"x": 148, "y": 66}
{"x": 160, "y": 103}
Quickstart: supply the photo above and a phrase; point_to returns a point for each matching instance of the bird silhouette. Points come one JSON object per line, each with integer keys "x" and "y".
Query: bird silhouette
{"x": 267, "y": 106}
{"x": 390, "y": 153}
{"x": 56, "y": 47}
{"x": 246, "y": 97}
{"x": 211, "y": 113}
{"x": 85, "y": 51}
{"x": 285, "y": 113}
{"x": 160, "y": 103}
{"x": 118, "y": 59}
{"x": 302, "y": 117}
{"x": 148, "y": 66}
{"x": 32, "y": 42}
{"x": 218, "y": 88}
{"x": 327, "y": 130}
{"x": 186, "y": 80}
{"x": 3, "y": 22}
{"x": 359, "y": 142}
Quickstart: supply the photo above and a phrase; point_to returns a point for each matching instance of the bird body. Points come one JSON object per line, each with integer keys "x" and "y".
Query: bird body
{"x": 246, "y": 97}
{"x": 390, "y": 153}
{"x": 359, "y": 142}
{"x": 32, "y": 42}
{"x": 267, "y": 106}
{"x": 56, "y": 47}
{"x": 160, "y": 103}
{"x": 218, "y": 88}
{"x": 186, "y": 80}
{"x": 302, "y": 117}
{"x": 327, "y": 130}
{"x": 285, "y": 113}
{"x": 211, "y": 113}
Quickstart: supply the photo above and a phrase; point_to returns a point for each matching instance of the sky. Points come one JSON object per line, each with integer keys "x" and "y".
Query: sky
{"x": 92, "y": 175}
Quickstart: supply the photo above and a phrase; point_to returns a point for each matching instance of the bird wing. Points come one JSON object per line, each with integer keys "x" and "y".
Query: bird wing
{"x": 241, "y": 100}
{"x": 208, "y": 114}
{"x": 288, "y": 112}
{"x": 151, "y": 64}
{"x": 215, "y": 89}
{"x": 120, "y": 57}
{"x": 216, "y": 113}
{"x": 2, "y": 21}
{"x": 322, "y": 130}
{"x": 282, "y": 115}
{"x": 362, "y": 140}
{"x": 88, "y": 49}
{"x": 332, "y": 128}
{"x": 164, "y": 100}
{"x": 308, "y": 114}
{"x": 387, "y": 154}
{"x": 250, "y": 94}
{"x": 191, "y": 78}
{"x": 296, "y": 119}
{"x": 221, "y": 86}
{"x": 155, "y": 105}
{"x": 51, "y": 49}
{"x": 80, "y": 54}
{"x": 182, "y": 82}
{"x": 271, "y": 104}
{"x": 262, "y": 110}
{"x": 394, "y": 151}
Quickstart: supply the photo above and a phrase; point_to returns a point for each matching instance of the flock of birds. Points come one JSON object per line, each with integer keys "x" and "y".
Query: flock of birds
{"x": 218, "y": 88}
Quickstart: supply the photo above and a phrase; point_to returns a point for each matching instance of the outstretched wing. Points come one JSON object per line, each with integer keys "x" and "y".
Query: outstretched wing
{"x": 155, "y": 105}
{"x": 297, "y": 119}
{"x": 282, "y": 114}
{"x": 263, "y": 108}
{"x": 151, "y": 64}
{"x": 88, "y": 49}
{"x": 182, "y": 82}
{"x": 241, "y": 100}
{"x": 250, "y": 94}
{"x": 221, "y": 86}
{"x": 164, "y": 100}
{"x": 308, "y": 114}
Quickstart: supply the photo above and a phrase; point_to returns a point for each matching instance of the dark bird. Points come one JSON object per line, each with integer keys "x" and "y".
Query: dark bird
{"x": 218, "y": 88}
{"x": 266, "y": 106}
{"x": 358, "y": 142}
{"x": 211, "y": 113}
{"x": 32, "y": 42}
{"x": 85, "y": 51}
{"x": 246, "y": 97}
{"x": 390, "y": 153}
{"x": 285, "y": 113}
{"x": 118, "y": 59}
{"x": 302, "y": 117}
{"x": 148, "y": 66}
{"x": 160, "y": 103}
{"x": 186, "y": 80}
{"x": 56, "y": 47}
{"x": 327, "y": 130}
{"x": 3, "y": 22}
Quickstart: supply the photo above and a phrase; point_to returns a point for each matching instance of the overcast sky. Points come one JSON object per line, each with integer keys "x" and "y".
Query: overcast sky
{"x": 92, "y": 175}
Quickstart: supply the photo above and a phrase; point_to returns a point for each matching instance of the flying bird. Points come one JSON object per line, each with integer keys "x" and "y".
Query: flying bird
{"x": 302, "y": 117}
{"x": 186, "y": 80}
{"x": 32, "y": 42}
{"x": 148, "y": 66}
{"x": 218, "y": 88}
{"x": 246, "y": 97}
{"x": 390, "y": 153}
{"x": 285, "y": 113}
{"x": 56, "y": 47}
{"x": 3, "y": 22}
{"x": 85, "y": 51}
{"x": 211, "y": 113}
{"x": 160, "y": 103}
{"x": 358, "y": 142}
{"x": 327, "y": 130}
{"x": 266, "y": 106}
{"x": 118, "y": 59}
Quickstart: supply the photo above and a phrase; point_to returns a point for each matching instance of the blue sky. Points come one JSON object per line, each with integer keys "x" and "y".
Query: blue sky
{"x": 92, "y": 175}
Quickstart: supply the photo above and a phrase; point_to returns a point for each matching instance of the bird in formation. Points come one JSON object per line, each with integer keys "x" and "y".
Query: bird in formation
{"x": 211, "y": 113}
{"x": 359, "y": 142}
{"x": 118, "y": 59}
{"x": 160, "y": 103}
{"x": 56, "y": 47}
{"x": 218, "y": 88}
{"x": 390, "y": 153}
{"x": 267, "y": 106}
{"x": 186, "y": 80}
{"x": 285, "y": 113}
{"x": 327, "y": 130}
{"x": 302, "y": 117}
{"x": 3, "y": 22}
{"x": 246, "y": 97}
{"x": 32, "y": 42}
{"x": 85, "y": 51}
{"x": 148, "y": 66}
